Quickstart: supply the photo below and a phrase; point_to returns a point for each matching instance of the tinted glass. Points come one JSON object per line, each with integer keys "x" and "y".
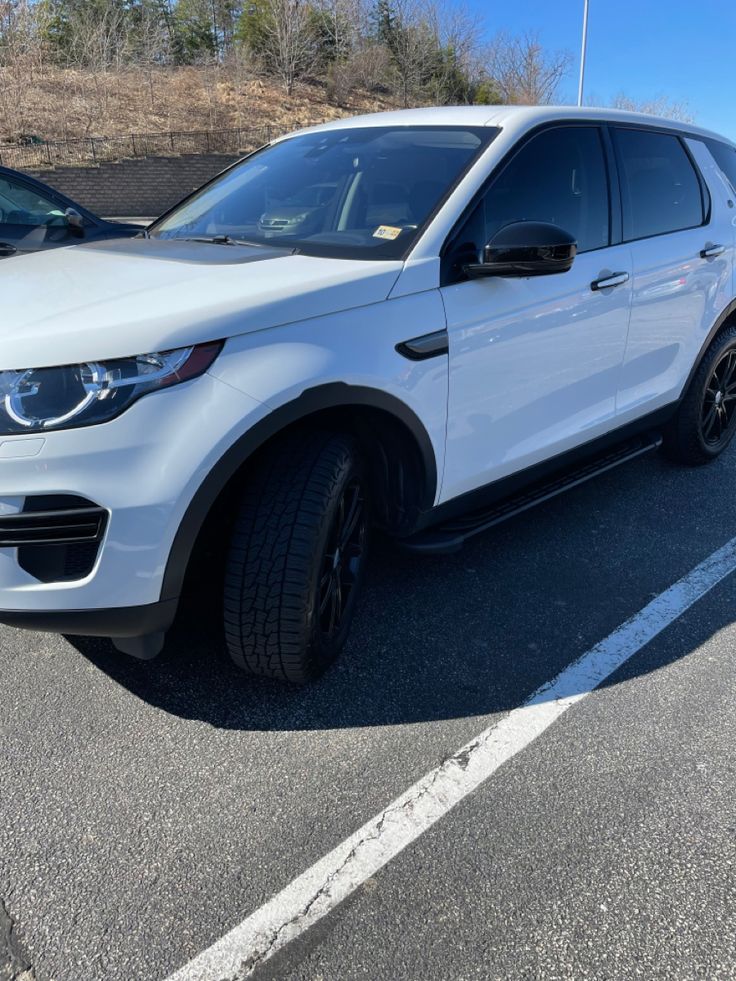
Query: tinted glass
{"x": 559, "y": 176}
{"x": 361, "y": 192}
{"x": 725, "y": 157}
{"x": 20, "y": 204}
{"x": 661, "y": 191}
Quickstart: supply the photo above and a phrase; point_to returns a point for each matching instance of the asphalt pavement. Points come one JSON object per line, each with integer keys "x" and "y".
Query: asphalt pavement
{"x": 148, "y": 808}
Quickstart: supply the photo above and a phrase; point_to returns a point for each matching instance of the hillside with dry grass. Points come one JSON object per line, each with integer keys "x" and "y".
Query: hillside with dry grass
{"x": 70, "y": 103}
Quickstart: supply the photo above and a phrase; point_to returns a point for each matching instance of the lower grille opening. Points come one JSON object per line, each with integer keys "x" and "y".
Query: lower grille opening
{"x": 57, "y": 536}
{"x": 58, "y": 563}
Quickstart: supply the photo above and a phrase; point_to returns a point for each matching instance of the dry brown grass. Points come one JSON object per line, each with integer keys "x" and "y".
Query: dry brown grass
{"x": 65, "y": 104}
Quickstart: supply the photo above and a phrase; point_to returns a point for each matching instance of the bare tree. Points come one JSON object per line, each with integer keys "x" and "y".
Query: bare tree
{"x": 524, "y": 72}
{"x": 456, "y": 30}
{"x": 239, "y": 70}
{"x": 152, "y": 46}
{"x": 658, "y": 106}
{"x": 100, "y": 39}
{"x": 342, "y": 23}
{"x": 368, "y": 67}
{"x": 288, "y": 41}
{"x": 21, "y": 64}
{"x": 100, "y": 45}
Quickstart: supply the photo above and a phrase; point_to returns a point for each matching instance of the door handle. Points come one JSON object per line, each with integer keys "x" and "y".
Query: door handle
{"x": 711, "y": 251}
{"x": 610, "y": 280}
{"x": 7, "y": 249}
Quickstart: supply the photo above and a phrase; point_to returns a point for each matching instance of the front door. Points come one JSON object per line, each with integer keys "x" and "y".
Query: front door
{"x": 535, "y": 362}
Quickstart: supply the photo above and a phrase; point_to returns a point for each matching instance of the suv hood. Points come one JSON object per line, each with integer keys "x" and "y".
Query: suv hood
{"x": 134, "y": 296}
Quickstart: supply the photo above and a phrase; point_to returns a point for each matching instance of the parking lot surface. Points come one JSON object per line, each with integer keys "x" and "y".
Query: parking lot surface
{"x": 148, "y": 808}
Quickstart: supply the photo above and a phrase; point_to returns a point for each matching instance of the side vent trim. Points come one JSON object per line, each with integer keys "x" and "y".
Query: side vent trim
{"x": 426, "y": 346}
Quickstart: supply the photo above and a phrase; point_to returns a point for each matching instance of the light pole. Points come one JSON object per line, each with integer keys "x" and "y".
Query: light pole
{"x": 582, "y": 53}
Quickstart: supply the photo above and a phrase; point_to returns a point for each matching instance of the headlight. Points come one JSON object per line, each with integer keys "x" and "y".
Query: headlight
{"x": 40, "y": 399}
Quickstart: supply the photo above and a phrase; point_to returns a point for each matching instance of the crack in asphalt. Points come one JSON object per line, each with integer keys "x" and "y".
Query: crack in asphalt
{"x": 13, "y": 965}
{"x": 273, "y": 943}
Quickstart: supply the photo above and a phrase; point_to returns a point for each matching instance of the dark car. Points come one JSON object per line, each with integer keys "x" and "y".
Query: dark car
{"x": 34, "y": 217}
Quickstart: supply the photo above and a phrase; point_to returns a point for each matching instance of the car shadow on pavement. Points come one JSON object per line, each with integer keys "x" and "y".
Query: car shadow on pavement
{"x": 455, "y": 636}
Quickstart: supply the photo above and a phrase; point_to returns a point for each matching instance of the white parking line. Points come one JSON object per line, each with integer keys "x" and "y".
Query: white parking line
{"x": 318, "y": 890}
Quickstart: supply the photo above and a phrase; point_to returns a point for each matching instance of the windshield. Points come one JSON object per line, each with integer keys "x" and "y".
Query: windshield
{"x": 353, "y": 193}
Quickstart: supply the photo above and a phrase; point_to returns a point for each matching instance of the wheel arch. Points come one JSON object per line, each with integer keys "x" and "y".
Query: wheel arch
{"x": 387, "y": 426}
{"x": 727, "y": 315}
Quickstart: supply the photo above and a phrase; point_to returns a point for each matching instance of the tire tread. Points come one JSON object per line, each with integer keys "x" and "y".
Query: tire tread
{"x": 275, "y": 543}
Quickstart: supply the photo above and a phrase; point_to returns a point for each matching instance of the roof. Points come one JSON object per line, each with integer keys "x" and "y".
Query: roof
{"x": 517, "y": 117}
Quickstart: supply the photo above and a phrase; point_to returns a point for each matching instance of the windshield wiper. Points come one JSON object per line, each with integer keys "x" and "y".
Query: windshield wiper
{"x": 225, "y": 240}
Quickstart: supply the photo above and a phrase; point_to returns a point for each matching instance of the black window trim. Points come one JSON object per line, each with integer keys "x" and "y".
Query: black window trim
{"x": 706, "y": 202}
{"x": 615, "y": 216}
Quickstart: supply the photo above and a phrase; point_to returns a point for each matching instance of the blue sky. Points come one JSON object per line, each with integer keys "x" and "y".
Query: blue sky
{"x": 683, "y": 49}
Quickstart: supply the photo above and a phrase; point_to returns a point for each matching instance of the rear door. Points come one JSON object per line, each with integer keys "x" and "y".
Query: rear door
{"x": 682, "y": 254}
{"x": 721, "y": 159}
{"x": 30, "y": 220}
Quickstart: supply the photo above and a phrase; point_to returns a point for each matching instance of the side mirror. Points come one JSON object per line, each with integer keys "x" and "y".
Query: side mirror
{"x": 526, "y": 248}
{"x": 74, "y": 220}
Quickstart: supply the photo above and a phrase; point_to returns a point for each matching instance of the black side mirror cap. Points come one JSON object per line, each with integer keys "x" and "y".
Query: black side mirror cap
{"x": 526, "y": 248}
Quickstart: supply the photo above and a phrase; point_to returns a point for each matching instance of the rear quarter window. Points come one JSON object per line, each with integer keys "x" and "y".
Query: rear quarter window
{"x": 725, "y": 156}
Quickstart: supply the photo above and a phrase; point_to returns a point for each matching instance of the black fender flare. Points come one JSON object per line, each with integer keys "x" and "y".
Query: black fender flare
{"x": 322, "y": 397}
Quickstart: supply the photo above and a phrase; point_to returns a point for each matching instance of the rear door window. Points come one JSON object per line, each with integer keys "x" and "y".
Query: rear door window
{"x": 660, "y": 187}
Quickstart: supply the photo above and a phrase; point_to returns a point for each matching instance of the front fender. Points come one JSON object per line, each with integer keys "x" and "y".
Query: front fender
{"x": 343, "y": 359}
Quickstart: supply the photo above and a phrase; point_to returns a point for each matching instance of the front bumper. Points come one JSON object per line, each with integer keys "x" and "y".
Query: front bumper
{"x": 129, "y": 482}
{"x": 118, "y": 623}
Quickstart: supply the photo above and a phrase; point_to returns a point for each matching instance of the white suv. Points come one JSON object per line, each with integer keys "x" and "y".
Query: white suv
{"x": 424, "y": 321}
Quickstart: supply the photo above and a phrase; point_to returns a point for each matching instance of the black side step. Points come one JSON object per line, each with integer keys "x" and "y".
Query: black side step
{"x": 450, "y": 535}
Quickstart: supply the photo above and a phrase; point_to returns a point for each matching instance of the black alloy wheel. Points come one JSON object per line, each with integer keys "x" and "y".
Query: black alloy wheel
{"x": 719, "y": 401}
{"x": 343, "y": 559}
{"x": 705, "y": 420}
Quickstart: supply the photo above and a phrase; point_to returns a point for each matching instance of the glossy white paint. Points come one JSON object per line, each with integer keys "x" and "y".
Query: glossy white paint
{"x": 678, "y": 296}
{"x": 359, "y": 350}
{"x": 115, "y": 299}
{"x": 534, "y": 367}
{"x": 144, "y": 467}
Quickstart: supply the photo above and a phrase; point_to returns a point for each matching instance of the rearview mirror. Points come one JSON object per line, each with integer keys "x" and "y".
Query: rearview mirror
{"x": 74, "y": 220}
{"x": 526, "y": 248}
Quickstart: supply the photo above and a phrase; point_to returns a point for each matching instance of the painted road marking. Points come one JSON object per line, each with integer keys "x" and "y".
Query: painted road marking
{"x": 333, "y": 878}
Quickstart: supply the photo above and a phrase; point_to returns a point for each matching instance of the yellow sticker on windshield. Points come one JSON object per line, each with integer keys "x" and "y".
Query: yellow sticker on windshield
{"x": 387, "y": 231}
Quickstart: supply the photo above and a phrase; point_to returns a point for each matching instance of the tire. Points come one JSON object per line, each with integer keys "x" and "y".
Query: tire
{"x": 296, "y": 559}
{"x": 705, "y": 422}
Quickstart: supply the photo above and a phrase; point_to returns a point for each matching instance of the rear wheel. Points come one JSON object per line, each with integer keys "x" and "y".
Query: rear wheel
{"x": 706, "y": 420}
{"x": 296, "y": 559}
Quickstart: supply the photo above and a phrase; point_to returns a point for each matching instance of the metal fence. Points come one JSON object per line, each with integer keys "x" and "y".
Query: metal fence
{"x": 97, "y": 149}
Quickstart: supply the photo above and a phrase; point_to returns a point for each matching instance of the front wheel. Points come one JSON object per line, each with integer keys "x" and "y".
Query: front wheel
{"x": 706, "y": 420}
{"x": 296, "y": 558}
